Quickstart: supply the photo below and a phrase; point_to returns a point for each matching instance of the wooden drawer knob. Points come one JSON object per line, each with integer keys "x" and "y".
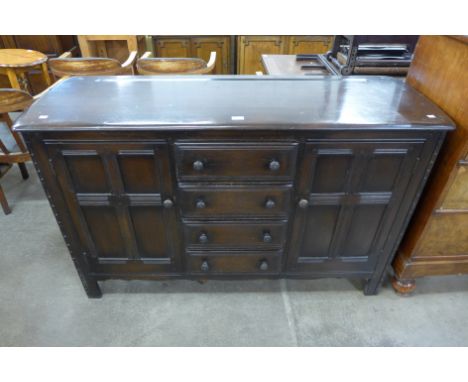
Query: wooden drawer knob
{"x": 270, "y": 203}
{"x": 200, "y": 203}
{"x": 267, "y": 237}
{"x": 203, "y": 238}
{"x": 303, "y": 203}
{"x": 168, "y": 203}
{"x": 263, "y": 266}
{"x": 198, "y": 165}
{"x": 274, "y": 165}
{"x": 205, "y": 267}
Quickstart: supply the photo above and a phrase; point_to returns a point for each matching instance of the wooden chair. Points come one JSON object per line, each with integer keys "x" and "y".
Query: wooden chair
{"x": 167, "y": 65}
{"x": 66, "y": 66}
{"x": 12, "y": 148}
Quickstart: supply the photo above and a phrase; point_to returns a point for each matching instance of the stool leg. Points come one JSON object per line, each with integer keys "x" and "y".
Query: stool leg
{"x": 24, "y": 170}
{"x": 13, "y": 79}
{"x": 4, "y": 203}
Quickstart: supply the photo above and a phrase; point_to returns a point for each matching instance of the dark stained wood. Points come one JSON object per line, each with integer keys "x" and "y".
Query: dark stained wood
{"x": 207, "y": 161}
{"x": 437, "y": 241}
{"x": 217, "y": 102}
{"x": 318, "y": 179}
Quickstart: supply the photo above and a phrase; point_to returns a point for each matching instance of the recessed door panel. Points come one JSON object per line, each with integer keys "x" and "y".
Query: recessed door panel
{"x": 150, "y": 232}
{"x": 104, "y": 229}
{"x": 86, "y": 172}
{"x": 139, "y": 172}
{"x": 320, "y": 225}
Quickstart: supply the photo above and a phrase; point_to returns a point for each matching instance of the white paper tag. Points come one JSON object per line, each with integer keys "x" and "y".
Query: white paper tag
{"x": 237, "y": 118}
{"x": 430, "y": 116}
{"x": 42, "y": 116}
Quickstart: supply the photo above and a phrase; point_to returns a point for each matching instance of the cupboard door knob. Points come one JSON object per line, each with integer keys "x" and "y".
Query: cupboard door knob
{"x": 274, "y": 165}
{"x": 267, "y": 237}
{"x": 263, "y": 265}
{"x": 205, "y": 267}
{"x": 198, "y": 165}
{"x": 303, "y": 203}
{"x": 200, "y": 203}
{"x": 168, "y": 203}
{"x": 203, "y": 238}
{"x": 270, "y": 203}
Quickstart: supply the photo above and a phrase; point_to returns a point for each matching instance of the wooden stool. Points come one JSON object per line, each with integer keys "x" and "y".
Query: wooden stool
{"x": 15, "y": 63}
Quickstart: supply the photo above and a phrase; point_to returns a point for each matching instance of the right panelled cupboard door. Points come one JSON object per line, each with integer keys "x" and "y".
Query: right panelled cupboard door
{"x": 348, "y": 199}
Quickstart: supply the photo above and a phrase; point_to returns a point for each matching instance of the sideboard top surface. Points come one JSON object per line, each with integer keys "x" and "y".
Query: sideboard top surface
{"x": 236, "y": 102}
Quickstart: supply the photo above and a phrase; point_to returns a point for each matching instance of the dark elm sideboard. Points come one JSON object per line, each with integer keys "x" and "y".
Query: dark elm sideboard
{"x": 232, "y": 176}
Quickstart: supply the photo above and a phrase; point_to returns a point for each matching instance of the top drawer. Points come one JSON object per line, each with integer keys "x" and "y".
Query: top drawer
{"x": 239, "y": 161}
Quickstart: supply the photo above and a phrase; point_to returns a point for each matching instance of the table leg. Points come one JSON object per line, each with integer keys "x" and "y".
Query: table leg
{"x": 45, "y": 74}
{"x": 24, "y": 82}
{"x": 13, "y": 79}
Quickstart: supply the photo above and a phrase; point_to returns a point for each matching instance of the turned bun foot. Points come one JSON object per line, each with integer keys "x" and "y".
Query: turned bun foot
{"x": 403, "y": 287}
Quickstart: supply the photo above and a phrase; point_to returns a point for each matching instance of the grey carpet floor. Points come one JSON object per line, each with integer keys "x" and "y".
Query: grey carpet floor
{"x": 42, "y": 302}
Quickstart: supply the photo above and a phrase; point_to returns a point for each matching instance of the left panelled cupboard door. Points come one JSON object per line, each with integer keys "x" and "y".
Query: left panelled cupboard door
{"x": 120, "y": 198}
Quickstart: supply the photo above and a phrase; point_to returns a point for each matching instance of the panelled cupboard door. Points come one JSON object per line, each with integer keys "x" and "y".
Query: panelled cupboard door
{"x": 348, "y": 198}
{"x": 120, "y": 199}
{"x": 172, "y": 47}
{"x": 251, "y": 48}
{"x": 309, "y": 44}
{"x": 203, "y": 46}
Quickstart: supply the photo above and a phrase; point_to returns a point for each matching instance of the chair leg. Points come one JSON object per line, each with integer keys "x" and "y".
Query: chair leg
{"x": 24, "y": 170}
{"x": 4, "y": 203}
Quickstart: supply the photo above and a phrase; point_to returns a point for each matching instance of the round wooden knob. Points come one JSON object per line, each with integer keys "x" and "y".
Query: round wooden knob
{"x": 200, "y": 203}
{"x": 198, "y": 165}
{"x": 267, "y": 237}
{"x": 270, "y": 203}
{"x": 263, "y": 265}
{"x": 203, "y": 238}
{"x": 274, "y": 165}
{"x": 205, "y": 267}
{"x": 303, "y": 203}
{"x": 168, "y": 203}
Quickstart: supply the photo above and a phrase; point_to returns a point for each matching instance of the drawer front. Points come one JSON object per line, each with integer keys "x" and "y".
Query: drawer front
{"x": 237, "y": 160}
{"x": 233, "y": 263}
{"x": 234, "y": 235}
{"x": 235, "y": 201}
{"x": 446, "y": 235}
{"x": 457, "y": 196}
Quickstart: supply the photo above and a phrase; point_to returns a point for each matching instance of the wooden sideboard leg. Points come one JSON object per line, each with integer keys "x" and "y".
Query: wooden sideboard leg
{"x": 403, "y": 287}
{"x": 371, "y": 287}
{"x": 92, "y": 288}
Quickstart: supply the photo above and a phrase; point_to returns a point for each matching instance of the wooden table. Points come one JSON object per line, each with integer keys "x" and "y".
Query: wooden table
{"x": 16, "y": 62}
{"x": 286, "y": 64}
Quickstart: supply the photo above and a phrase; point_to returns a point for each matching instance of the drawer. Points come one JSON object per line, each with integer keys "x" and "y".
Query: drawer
{"x": 445, "y": 235}
{"x": 235, "y": 201}
{"x": 243, "y": 161}
{"x": 457, "y": 195}
{"x": 232, "y": 263}
{"x": 235, "y": 235}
